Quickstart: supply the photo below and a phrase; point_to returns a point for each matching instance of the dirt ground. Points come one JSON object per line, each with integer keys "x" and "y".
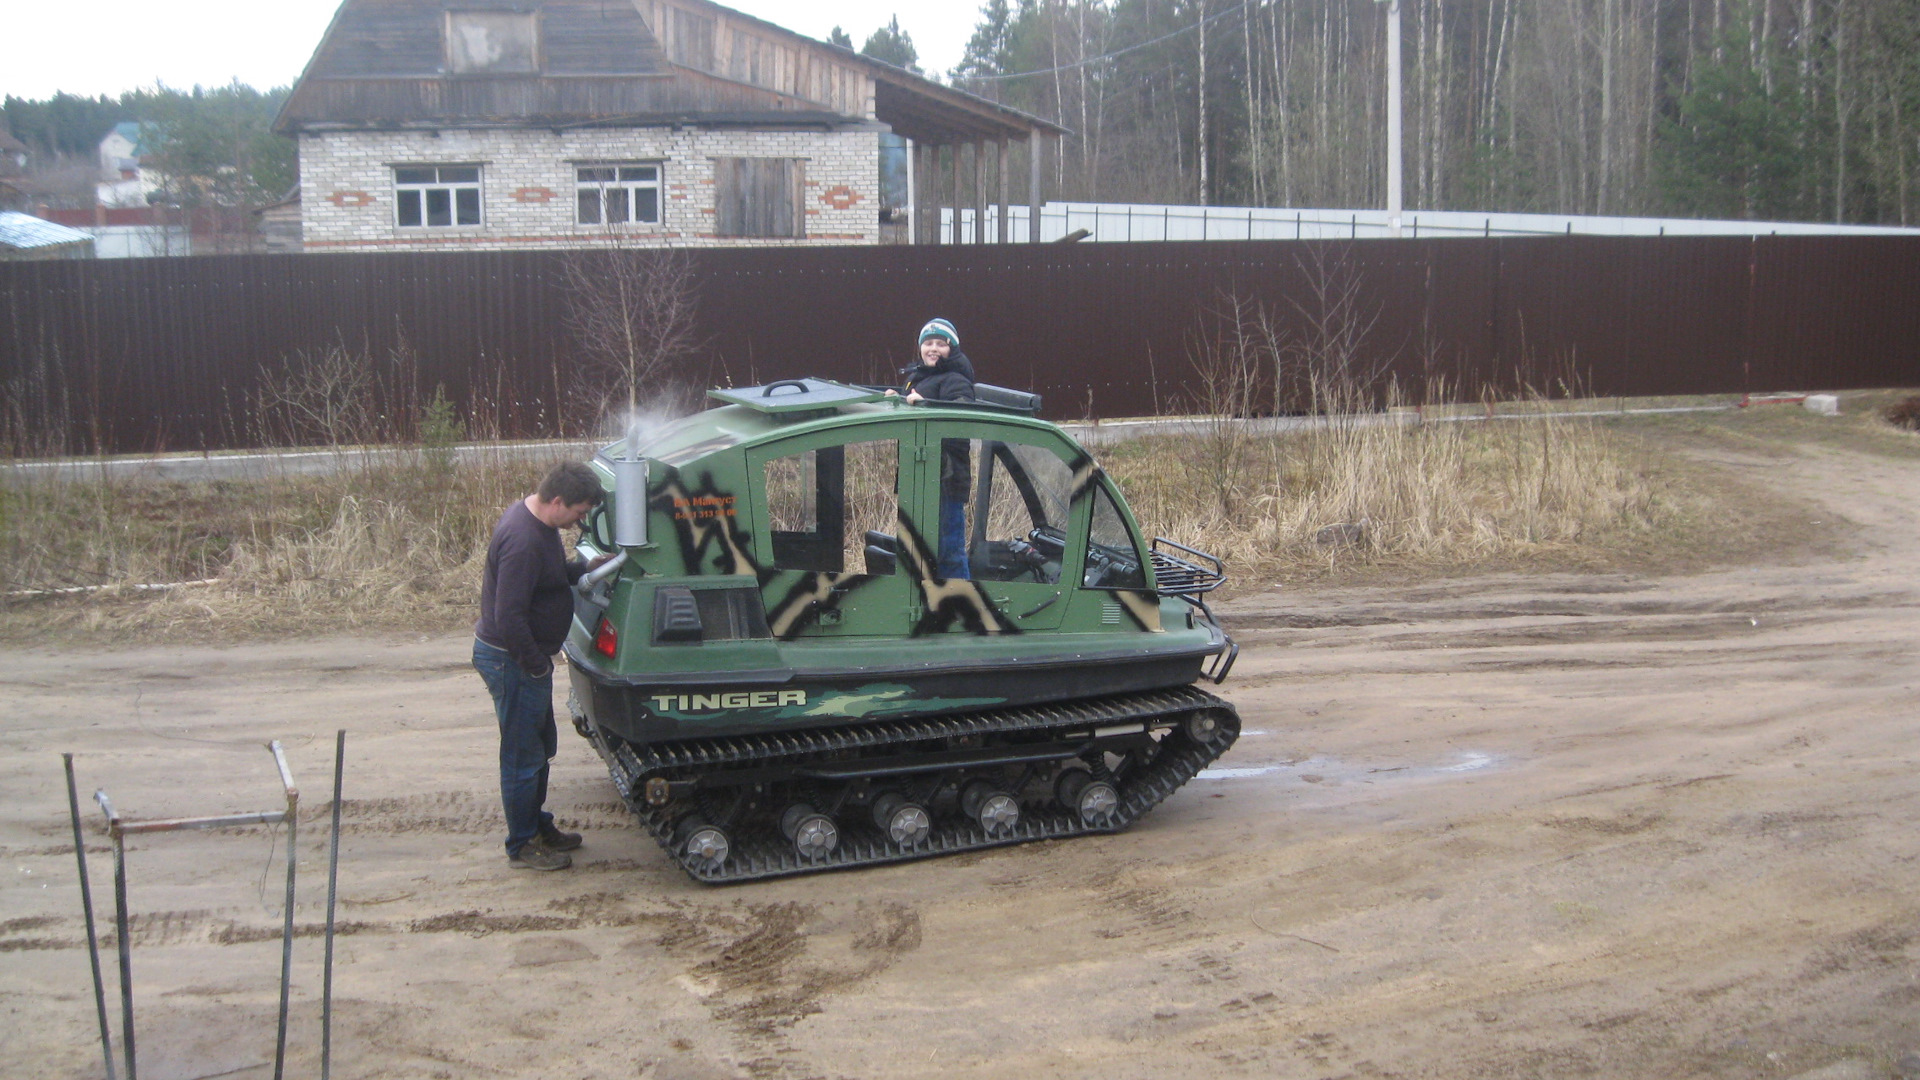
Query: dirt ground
{"x": 1616, "y": 826}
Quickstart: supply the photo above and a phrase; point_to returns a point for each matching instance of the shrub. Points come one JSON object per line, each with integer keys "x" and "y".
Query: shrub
{"x": 1904, "y": 414}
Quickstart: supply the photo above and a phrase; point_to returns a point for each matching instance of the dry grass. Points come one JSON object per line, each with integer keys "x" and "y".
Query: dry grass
{"x": 1903, "y": 414}
{"x": 1413, "y": 495}
{"x": 390, "y": 546}
{"x": 399, "y": 545}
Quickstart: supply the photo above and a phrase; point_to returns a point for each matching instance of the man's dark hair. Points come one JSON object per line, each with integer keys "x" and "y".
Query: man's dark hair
{"x": 573, "y": 483}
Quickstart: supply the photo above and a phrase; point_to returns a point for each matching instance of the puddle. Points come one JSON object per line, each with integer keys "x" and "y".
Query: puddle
{"x": 1235, "y": 774}
{"x": 1331, "y": 771}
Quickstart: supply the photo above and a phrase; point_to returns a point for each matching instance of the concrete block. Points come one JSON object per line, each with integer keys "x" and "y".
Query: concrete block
{"x": 1823, "y": 404}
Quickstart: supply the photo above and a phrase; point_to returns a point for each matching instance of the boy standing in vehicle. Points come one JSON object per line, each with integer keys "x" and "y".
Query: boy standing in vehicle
{"x": 945, "y": 374}
{"x": 525, "y": 609}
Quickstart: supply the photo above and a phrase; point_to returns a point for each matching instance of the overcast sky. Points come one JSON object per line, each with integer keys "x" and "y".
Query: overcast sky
{"x": 107, "y": 46}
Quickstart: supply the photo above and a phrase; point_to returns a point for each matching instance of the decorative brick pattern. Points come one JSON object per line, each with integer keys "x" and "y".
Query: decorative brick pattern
{"x": 527, "y": 180}
{"x": 840, "y": 197}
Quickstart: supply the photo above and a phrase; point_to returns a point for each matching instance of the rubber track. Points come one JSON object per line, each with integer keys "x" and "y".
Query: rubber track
{"x": 1178, "y": 760}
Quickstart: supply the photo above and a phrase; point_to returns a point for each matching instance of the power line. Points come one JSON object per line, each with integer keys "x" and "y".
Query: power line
{"x": 1106, "y": 56}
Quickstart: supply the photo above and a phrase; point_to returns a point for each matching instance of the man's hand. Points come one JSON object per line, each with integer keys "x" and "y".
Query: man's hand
{"x": 546, "y": 669}
{"x": 914, "y": 398}
{"x": 893, "y": 393}
{"x": 599, "y": 561}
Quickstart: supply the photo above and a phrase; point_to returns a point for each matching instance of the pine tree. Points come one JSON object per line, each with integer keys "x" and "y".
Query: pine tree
{"x": 1737, "y": 148}
{"x": 987, "y": 51}
{"x": 891, "y": 45}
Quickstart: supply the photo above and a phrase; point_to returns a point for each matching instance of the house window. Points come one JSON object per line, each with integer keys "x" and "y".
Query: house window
{"x": 759, "y": 197}
{"x": 617, "y": 194}
{"x": 436, "y": 196}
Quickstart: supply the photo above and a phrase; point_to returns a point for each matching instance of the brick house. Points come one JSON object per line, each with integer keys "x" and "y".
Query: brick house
{"x": 499, "y": 124}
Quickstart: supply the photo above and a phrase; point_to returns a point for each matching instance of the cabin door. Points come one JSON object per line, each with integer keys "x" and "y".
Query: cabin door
{"x": 1000, "y": 520}
{"x": 829, "y": 508}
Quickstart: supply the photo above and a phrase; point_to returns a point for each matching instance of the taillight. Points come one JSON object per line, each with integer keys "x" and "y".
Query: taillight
{"x": 605, "y": 641}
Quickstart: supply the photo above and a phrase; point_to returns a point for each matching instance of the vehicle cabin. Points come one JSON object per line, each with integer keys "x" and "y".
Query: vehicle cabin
{"x": 825, "y": 501}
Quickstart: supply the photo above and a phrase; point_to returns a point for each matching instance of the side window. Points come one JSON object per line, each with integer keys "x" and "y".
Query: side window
{"x": 436, "y": 196}
{"x": 1113, "y": 555}
{"x": 821, "y": 504}
{"x": 759, "y": 197}
{"x": 1026, "y": 492}
{"x": 615, "y": 194}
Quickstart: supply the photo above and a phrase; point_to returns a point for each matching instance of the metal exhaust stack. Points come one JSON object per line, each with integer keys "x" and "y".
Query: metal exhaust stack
{"x": 630, "y": 502}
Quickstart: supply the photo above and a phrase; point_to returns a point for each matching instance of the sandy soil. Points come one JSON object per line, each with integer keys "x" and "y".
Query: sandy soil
{"x": 1532, "y": 827}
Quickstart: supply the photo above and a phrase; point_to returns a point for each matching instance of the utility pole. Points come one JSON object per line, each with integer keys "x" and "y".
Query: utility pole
{"x": 1393, "y": 118}
{"x": 1203, "y": 104}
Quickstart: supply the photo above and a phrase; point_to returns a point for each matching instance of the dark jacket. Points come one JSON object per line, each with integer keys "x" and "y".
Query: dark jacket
{"x": 525, "y": 603}
{"x": 949, "y": 380}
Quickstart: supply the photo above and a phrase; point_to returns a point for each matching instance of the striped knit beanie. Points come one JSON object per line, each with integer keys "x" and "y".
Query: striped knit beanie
{"x": 939, "y": 328}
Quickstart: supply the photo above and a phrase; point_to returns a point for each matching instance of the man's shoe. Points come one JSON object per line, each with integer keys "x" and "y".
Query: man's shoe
{"x": 534, "y": 855}
{"x": 555, "y": 840}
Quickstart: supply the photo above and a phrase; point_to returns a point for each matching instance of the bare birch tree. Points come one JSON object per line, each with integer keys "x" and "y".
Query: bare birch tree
{"x": 630, "y": 312}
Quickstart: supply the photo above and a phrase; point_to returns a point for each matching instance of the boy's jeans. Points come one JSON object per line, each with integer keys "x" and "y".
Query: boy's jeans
{"x": 953, "y": 540}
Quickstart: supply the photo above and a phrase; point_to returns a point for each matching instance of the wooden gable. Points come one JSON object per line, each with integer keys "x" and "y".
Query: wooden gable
{"x": 451, "y": 63}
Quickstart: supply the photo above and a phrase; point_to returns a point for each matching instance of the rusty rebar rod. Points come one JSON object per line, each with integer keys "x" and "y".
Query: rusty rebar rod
{"x": 119, "y": 831}
{"x": 123, "y": 944}
{"x": 333, "y": 875}
{"x": 286, "y": 936}
{"x": 86, "y": 903}
{"x": 217, "y": 821}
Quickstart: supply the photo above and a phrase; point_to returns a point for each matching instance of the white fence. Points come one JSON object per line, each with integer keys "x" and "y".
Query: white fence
{"x": 144, "y": 241}
{"x": 1121, "y": 222}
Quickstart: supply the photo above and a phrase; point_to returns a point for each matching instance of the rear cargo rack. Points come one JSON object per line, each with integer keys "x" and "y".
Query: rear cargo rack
{"x": 1175, "y": 575}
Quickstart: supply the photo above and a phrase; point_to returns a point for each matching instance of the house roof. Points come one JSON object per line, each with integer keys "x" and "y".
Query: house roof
{"x": 19, "y": 232}
{"x": 135, "y": 132}
{"x": 914, "y": 105}
{"x": 571, "y": 63}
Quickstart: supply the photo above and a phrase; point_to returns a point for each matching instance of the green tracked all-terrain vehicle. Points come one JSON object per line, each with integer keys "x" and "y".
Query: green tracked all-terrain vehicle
{"x": 840, "y": 629}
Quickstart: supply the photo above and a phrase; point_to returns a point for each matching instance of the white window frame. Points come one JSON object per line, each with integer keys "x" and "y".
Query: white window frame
{"x": 411, "y": 188}
{"x": 627, "y": 190}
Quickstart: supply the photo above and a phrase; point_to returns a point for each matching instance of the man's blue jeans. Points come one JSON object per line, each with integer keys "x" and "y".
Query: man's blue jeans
{"x": 528, "y": 740}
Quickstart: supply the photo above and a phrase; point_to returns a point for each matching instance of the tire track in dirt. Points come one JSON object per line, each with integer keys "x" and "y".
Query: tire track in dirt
{"x": 761, "y": 969}
{"x": 219, "y": 926}
{"x": 1167, "y": 921}
{"x": 455, "y": 813}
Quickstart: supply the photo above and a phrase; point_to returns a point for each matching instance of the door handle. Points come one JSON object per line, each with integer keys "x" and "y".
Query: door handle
{"x": 1044, "y": 605}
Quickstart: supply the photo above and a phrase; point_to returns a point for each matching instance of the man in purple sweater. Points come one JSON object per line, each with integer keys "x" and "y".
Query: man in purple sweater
{"x": 525, "y": 609}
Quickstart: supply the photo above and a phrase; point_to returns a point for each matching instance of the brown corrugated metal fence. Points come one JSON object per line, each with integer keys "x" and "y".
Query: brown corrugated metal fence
{"x": 136, "y": 355}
